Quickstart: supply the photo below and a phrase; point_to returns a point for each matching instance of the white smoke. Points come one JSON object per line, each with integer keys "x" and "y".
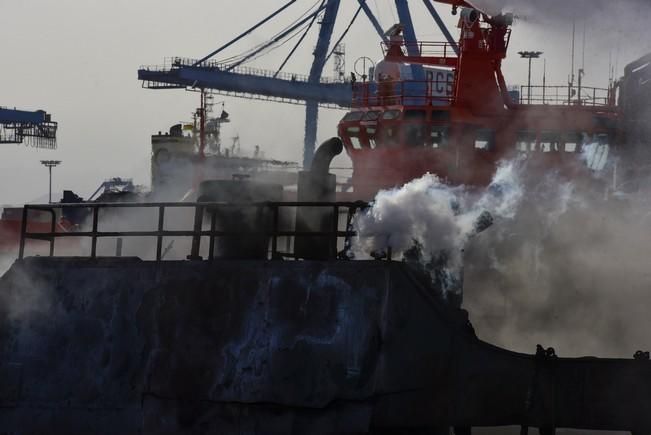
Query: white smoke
{"x": 434, "y": 218}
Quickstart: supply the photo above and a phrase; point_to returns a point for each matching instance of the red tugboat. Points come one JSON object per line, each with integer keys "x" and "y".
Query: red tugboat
{"x": 429, "y": 109}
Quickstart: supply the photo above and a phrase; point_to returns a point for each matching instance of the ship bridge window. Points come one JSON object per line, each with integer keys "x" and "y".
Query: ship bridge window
{"x": 440, "y": 115}
{"x": 595, "y": 151}
{"x": 391, "y": 136}
{"x": 353, "y": 135}
{"x": 415, "y": 115}
{"x": 370, "y": 134}
{"x": 525, "y": 141}
{"x": 485, "y": 139}
{"x": 439, "y": 136}
{"x": 371, "y": 116}
{"x": 353, "y": 116}
{"x": 391, "y": 114}
{"x": 414, "y": 135}
{"x": 572, "y": 142}
{"x": 550, "y": 141}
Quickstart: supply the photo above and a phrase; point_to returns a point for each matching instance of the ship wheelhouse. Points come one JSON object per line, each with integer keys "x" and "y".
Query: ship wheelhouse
{"x": 428, "y": 109}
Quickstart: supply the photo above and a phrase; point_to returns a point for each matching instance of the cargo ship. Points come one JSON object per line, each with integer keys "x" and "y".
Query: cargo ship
{"x": 267, "y": 324}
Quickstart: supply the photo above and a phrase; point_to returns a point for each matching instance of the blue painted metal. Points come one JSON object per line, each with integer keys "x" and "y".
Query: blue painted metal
{"x": 343, "y": 35}
{"x": 231, "y": 81}
{"x": 278, "y": 38}
{"x": 372, "y": 19}
{"x": 22, "y": 116}
{"x": 298, "y": 43}
{"x": 410, "y": 37}
{"x": 242, "y": 35}
{"x": 444, "y": 29}
{"x": 320, "y": 53}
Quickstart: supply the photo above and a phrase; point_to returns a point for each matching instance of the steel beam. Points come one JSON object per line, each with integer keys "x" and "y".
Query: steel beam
{"x": 210, "y": 78}
{"x": 410, "y": 36}
{"x": 372, "y": 19}
{"x": 444, "y": 29}
{"x": 320, "y": 53}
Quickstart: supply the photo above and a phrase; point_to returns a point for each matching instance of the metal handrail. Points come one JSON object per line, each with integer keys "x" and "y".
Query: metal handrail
{"x": 173, "y": 63}
{"x": 197, "y": 231}
{"x": 565, "y": 95}
{"x": 424, "y": 48}
{"x": 388, "y": 93}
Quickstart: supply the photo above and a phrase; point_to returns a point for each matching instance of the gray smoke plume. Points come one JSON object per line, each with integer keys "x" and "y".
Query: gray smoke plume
{"x": 435, "y": 219}
{"x": 562, "y": 265}
{"x": 570, "y": 271}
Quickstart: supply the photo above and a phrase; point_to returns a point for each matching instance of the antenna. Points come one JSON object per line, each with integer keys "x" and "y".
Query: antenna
{"x": 583, "y": 48}
{"x": 572, "y": 56}
{"x": 339, "y": 53}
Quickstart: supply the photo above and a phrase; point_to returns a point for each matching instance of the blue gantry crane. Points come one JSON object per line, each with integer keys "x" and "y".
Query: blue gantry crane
{"x": 32, "y": 128}
{"x": 232, "y": 77}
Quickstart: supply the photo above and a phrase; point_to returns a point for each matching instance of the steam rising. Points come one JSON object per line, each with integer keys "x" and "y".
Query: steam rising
{"x": 434, "y": 218}
{"x": 561, "y": 266}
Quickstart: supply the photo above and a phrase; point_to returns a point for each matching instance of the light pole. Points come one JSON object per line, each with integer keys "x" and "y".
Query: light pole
{"x": 50, "y": 164}
{"x": 529, "y": 55}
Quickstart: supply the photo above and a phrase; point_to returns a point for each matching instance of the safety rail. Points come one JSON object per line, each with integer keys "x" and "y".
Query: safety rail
{"x": 566, "y": 96}
{"x": 333, "y": 235}
{"x": 171, "y": 63}
{"x": 403, "y": 93}
{"x": 424, "y": 48}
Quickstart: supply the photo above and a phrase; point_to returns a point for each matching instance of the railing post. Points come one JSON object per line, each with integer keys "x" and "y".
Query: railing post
{"x": 93, "y": 246}
{"x": 23, "y": 230}
{"x": 196, "y": 237}
{"x": 213, "y": 224}
{"x": 335, "y": 229}
{"x": 159, "y": 237}
{"x": 274, "y": 239}
{"x": 52, "y": 231}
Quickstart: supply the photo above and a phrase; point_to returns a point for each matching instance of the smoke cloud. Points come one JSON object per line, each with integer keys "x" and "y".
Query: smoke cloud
{"x": 435, "y": 219}
{"x": 562, "y": 265}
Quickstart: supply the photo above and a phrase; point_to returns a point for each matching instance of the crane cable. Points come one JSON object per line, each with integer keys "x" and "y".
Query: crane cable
{"x": 291, "y": 53}
{"x": 343, "y": 35}
{"x": 243, "y": 56}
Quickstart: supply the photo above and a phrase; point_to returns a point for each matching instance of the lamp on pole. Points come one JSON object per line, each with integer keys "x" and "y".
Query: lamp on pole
{"x": 50, "y": 164}
{"x": 529, "y": 55}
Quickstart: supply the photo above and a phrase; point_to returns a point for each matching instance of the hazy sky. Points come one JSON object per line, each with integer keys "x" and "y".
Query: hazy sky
{"x": 77, "y": 59}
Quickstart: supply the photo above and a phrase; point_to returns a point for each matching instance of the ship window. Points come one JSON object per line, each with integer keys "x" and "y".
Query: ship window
{"x": 371, "y": 116}
{"x": 352, "y": 129}
{"x": 439, "y": 136}
{"x": 595, "y": 152}
{"x": 391, "y": 136}
{"x": 440, "y": 115}
{"x": 549, "y": 141}
{"x": 372, "y": 143}
{"x": 357, "y": 144}
{"x": 370, "y": 131}
{"x": 415, "y": 115}
{"x": 391, "y": 114}
{"x": 572, "y": 142}
{"x": 525, "y": 141}
{"x": 485, "y": 139}
{"x": 353, "y": 116}
{"x": 414, "y": 135}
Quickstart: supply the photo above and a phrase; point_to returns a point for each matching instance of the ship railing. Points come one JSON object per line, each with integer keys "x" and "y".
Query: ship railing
{"x": 423, "y": 48}
{"x": 566, "y": 96}
{"x": 204, "y": 227}
{"x": 435, "y": 92}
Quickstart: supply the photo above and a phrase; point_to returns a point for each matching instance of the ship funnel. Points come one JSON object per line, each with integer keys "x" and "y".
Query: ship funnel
{"x": 317, "y": 185}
